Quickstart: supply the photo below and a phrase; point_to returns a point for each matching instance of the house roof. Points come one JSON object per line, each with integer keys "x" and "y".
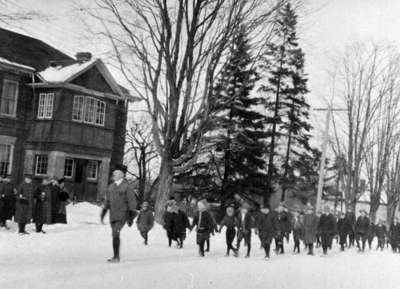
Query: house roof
{"x": 8, "y": 63}
{"x": 28, "y": 51}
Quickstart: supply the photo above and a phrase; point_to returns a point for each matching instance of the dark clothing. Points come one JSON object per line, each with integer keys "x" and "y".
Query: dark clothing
{"x": 298, "y": 231}
{"x": 168, "y": 219}
{"x": 24, "y": 204}
{"x": 350, "y": 218}
{"x": 7, "y": 202}
{"x": 343, "y": 230}
{"x": 244, "y": 231}
{"x": 310, "y": 228}
{"x": 181, "y": 223}
{"x": 42, "y": 213}
{"x": 205, "y": 225}
{"x": 327, "y": 229}
{"x": 381, "y": 233}
{"x": 230, "y": 222}
{"x": 267, "y": 227}
{"x": 283, "y": 230}
{"x": 145, "y": 220}
{"x": 62, "y": 202}
{"x": 370, "y": 234}
{"x": 394, "y": 236}
{"x": 361, "y": 229}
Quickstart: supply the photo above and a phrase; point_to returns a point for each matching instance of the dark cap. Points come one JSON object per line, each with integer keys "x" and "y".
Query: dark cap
{"x": 120, "y": 167}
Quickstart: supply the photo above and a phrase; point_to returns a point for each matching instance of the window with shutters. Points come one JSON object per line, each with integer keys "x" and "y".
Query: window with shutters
{"x": 9, "y": 96}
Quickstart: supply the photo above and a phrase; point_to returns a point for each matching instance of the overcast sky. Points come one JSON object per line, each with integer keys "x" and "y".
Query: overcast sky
{"x": 325, "y": 26}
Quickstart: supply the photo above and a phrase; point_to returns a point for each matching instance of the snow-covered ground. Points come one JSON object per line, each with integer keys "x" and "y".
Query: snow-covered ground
{"x": 74, "y": 256}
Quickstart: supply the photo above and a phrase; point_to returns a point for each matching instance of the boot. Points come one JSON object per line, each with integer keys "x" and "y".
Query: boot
{"x": 116, "y": 243}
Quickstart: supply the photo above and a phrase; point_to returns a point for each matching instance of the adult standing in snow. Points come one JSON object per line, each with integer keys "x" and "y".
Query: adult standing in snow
{"x": 351, "y": 221}
{"x": 145, "y": 221}
{"x": 266, "y": 228}
{"x": 168, "y": 222}
{"x": 283, "y": 223}
{"x": 63, "y": 200}
{"x": 231, "y": 223}
{"x": 310, "y": 229}
{"x": 42, "y": 196}
{"x": 7, "y": 200}
{"x": 362, "y": 226}
{"x": 24, "y": 204}
{"x": 245, "y": 224}
{"x": 204, "y": 225}
{"x": 394, "y": 235}
{"x": 327, "y": 228}
{"x": 120, "y": 200}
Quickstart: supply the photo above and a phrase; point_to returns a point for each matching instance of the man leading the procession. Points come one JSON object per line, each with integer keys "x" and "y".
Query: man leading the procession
{"x": 121, "y": 202}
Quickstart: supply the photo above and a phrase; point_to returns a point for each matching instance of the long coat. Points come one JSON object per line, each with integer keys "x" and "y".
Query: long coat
{"x": 145, "y": 220}
{"x": 394, "y": 234}
{"x": 42, "y": 207}
{"x": 181, "y": 223}
{"x": 327, "y": 224}
{"x": 362, "y": 225}
{"x": 310, "y": 228}
{"x": 168, "y": 220}
{"x": 344, "y": 227}
{"x": 244, "y": 226}
{"x": 7, "y": 201}
{"x": 381, "y": 232}
{"x": 267, "y": 226}
{"x": 283, "y": 222}
{"x": 24, "y": 203}
{"x": 120, "y": 200}
{"x": 297, "y": 227}
{"x": 205, "y": 225}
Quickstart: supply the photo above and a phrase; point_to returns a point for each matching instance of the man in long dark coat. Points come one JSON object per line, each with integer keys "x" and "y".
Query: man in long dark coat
{"x": 344, "y": 229}
{"x": 120, "y": 200}
{"x": 24, "y": 205}
{"x": 394, "y": 235}
{"x": 204, "y": 224}
{"x": 310, "y": 221}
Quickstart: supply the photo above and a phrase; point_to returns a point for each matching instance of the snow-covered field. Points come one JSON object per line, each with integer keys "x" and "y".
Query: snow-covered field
{"x": 74, "y": 256}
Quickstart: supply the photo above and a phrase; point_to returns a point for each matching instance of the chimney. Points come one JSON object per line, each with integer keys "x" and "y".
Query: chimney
{"x": 82, "y": 57}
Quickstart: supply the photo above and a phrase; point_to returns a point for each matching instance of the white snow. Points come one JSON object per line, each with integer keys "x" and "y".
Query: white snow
{"x": 8, "y": 62}
{"x": 63, "y": 73}
{"x": 74, "y": 256}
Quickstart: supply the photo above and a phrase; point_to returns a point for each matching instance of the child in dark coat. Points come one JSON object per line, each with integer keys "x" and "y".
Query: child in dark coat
{"x": 204, "y": 224}
{"x": 145, "y": 221}
{"x": 231, "y": 223}
{"x": 370, "y": 234}
{"x": 381, "y": 234}
{"x": 266, "y": 228}
{"x": 181, "y": 223}
{"x": 298, "y": 230}
{"x": 168, "y": 219}
{"x": 394, "y": 233}
{"x": 362, "y": 226}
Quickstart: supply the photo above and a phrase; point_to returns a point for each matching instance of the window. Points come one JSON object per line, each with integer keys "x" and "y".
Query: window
{"x": 69, "y": 168}
{"x": 6, "y": 151}
{"x": 9, "y": 95}
{"x": 45, "y": 109}
{"x": 92, "y": 168}
{"x": 89, "y": 110}
{"x": 41, "y": 164}
{"x": 78, "y": 107}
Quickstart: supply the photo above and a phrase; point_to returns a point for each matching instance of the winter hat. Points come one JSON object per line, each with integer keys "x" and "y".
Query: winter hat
{"x": 230, "y": 210}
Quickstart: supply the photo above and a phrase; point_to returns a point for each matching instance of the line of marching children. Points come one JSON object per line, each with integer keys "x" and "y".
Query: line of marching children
{"x": 306, "y": 227}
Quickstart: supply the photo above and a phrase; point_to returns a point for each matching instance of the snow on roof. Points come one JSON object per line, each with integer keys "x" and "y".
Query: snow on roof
{"x": 18, "y": 65}
{"x": 60, "y": 74}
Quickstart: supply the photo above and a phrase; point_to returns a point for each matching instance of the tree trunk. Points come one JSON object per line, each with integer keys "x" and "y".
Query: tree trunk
{"x": 374, "y": 206}
{"x": 391, "y": 211}
{"x": 164, "y": 189}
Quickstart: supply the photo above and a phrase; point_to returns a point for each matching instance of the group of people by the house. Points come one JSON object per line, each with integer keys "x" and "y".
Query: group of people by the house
{"x": 26, "y": 203}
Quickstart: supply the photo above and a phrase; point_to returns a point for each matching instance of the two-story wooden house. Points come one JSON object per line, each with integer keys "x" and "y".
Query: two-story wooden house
{"x": 59, "y": 116}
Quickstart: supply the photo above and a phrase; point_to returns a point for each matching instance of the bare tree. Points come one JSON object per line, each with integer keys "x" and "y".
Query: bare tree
{"x": 362, "y": 82}
{"x": 141, "y": 151}
{"x": 171, "y": 52}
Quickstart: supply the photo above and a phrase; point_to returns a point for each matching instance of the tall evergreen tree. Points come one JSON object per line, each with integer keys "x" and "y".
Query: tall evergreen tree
{"x": 288, "y": 120}
{"x": 239, "y": 127}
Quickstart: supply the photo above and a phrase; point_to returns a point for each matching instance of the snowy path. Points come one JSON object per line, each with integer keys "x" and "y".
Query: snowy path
{"x": 73, "y": 256}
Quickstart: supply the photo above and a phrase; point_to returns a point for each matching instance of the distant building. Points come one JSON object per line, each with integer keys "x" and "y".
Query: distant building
{"x": 59, "y": 116}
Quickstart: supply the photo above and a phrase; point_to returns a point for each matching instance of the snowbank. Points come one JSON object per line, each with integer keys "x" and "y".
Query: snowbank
{"x": 73, "y": 256}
